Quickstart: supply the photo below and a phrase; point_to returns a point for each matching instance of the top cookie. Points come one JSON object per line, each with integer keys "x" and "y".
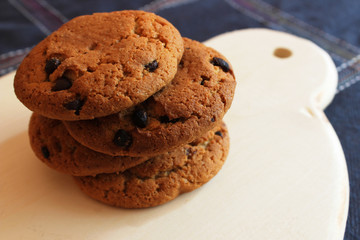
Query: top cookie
{"x": 99, "y": 64}
{"x": 194, "y": 102}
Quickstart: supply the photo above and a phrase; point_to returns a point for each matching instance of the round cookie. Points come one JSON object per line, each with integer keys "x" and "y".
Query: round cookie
{"x": 161, "y": 179}
{"x": 100, "y": 64}
{"x": 54, "y": 146}
{"x": 194, "y": 102}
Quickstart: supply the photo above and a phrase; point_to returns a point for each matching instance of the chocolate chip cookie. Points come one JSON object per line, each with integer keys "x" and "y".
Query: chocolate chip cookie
{"x": 100, "y": 64}
{"x": 54, "y": 146}
{"x": 194, "y": 102}
{"x": 162, "y": 178}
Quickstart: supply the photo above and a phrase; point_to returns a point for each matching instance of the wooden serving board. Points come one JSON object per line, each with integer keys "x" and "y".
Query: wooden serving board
{"x": 285, "y": 177}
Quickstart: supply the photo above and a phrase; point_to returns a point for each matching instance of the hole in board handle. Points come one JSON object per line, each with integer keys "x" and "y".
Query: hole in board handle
{"x": 282, "y": 52}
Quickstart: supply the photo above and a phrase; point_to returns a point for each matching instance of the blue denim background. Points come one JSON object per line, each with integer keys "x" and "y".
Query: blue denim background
{"x": 332, "y": 24}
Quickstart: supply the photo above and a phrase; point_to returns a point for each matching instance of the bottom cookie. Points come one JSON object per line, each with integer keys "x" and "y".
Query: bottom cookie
{"x": 161, "y": 178}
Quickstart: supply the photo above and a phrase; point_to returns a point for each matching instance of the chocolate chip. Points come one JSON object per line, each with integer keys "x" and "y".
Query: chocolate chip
{"x": 221, "y": 63}
{"x": 61, "y": 83}
{"x": 122, "y": 138}
{"x": 213, "y": 119}
{"x": 45, "y": 152}
{"x": 219, "y": 133}
{"x": 51, "y": 65}
{"x": 75, "y": 105}
{"x": 152, "y": 66}
{"x": 140, "y": 118}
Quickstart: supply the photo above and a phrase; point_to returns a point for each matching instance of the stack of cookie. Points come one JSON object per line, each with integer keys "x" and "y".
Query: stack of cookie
{"x": 128, "y": 107}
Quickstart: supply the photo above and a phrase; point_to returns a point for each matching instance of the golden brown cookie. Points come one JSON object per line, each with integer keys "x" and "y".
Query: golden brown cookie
{"x": 194, "y": 102}
{"x": 100, "y": 64}
{"x": 162, "y": 178}
{"x": 54, "y": 146}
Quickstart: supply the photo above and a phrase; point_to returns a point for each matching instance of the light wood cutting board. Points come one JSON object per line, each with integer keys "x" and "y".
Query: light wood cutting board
{"x": 285, "y": 177}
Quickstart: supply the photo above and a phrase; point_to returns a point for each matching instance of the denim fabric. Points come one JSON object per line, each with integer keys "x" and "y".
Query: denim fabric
{"x": 332, "y": 24}
{"x": 344, "y": 115}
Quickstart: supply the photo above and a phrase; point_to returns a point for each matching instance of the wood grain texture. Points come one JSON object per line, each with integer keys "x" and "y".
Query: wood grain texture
{"x": 285, "y": 177}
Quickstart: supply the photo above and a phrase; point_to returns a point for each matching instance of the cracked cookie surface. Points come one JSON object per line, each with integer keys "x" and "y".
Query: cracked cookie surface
{"x": 54, "y": 146}
{"x": 194, "y": 102}
{"x": 162, "y": 178}
{"x": 100, "y": 64}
